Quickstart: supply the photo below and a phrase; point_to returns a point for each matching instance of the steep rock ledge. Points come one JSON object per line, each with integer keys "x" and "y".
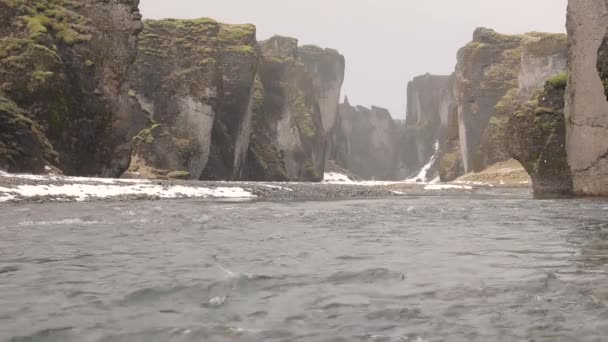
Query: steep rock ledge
{"x": 63, "y": 67}
{"x": 586, "y": 106}
{"x": 365, "y": 142}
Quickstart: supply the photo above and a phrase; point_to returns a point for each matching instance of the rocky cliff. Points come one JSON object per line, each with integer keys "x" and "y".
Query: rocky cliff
{"x": 494, "y": 74}
{"x": 429, "y": 100}
{"x": 220, "y": 105}
{"x": 586, "y": 106}
{"x": 537, "y": 139}
{"x": 297, "y": 88}
{"x": 178, "y": 80}
{"x": 365, "y": 142}
{"x": 63, "y": 92}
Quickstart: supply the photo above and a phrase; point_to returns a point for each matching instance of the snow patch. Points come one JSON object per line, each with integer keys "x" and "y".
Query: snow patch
{"x": 335, "y": 177}
{"x": 83, "y": 192}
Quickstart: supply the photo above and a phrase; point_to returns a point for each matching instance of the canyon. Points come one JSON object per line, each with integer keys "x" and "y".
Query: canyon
{"x": 89, "y": 89}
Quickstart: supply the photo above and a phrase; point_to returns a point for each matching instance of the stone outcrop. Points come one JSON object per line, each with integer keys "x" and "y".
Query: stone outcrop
{"x": 63, "y": 86}
{"x": 586, "y": 106}
{"x": 537, "y": 139}
{"x": 494, "y": 74}
{"x": 428, "y": 117}
{"x": 365, "y": 142}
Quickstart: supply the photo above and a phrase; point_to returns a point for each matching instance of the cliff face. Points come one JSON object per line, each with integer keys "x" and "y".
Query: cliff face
{"x": 62, "y": 82}
{"x": 297, "y": 88}
{"x": 365, "y": 142}
{"x": 239, "y": 59}
{"x": 326, "y": 67}
{"x": 427, "y": 121}
{"x": 177, "y": 80}
{"x": 487, "y": 68}
{"x": 586, "y": 106}
{"x": 537, "y": 139}
{"x": 494, "y": 74}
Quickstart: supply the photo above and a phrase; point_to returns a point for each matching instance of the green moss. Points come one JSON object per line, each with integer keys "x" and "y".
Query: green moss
{"x": 303, "y": 117}
{"x": 558, "y": 81}
{"x": 245, "y": 49}
{"x": 178, "y": 175}
{"x": 132, "y": 93}
{"x": 545, "y": 44}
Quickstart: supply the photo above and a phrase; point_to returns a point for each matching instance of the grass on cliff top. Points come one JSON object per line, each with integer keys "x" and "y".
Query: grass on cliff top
{"x": 545, "y": 44}
{"x": 237, "y": 34}
{"x": 186, "y": 28}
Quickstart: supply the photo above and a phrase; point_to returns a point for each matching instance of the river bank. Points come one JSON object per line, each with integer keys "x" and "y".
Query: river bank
{"x": 53, "y": 188}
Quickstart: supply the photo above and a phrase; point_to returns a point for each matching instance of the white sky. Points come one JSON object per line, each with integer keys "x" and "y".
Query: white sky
{"x": 386, "y": 42}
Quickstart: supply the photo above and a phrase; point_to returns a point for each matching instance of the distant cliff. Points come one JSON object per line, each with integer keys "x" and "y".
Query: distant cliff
{"x": 429, "y": 101}
{"x": 63, "y": 92}
{"x": 365, "y": 142}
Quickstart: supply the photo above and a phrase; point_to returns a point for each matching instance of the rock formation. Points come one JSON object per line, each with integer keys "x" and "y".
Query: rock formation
{"x": 365, "y": 142}
{"x": 63, "y": 90}
{"x": 494, "y": 72}
{"x": 428, "y": 108}
{"x": 234, "y": 109}
{"x": 298, "y": 87}
{"x": 586, "y": 106}
{"x": 537, "y": 139}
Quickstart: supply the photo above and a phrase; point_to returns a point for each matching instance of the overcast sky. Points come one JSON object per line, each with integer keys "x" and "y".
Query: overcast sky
{"x": 386, "y": 42}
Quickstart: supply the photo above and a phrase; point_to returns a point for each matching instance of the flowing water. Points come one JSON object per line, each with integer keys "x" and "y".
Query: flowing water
{"x": 497, "y": 267}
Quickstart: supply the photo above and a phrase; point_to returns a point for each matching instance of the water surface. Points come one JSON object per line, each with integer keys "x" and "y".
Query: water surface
{"x": 457, "y": 268}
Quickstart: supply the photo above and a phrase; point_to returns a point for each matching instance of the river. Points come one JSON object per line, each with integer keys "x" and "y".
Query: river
{"x": 485, "y": 267}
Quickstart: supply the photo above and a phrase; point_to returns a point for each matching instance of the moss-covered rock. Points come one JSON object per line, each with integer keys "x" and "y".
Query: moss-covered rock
{"x": 64, "y": 63}
{"x": 537, "y": 139}
{"x": 23, "y": 147}
{"x": 494, "y": 73}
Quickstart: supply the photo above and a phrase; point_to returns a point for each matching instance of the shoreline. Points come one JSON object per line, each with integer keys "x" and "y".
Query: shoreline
{"x": 24, "y": 189}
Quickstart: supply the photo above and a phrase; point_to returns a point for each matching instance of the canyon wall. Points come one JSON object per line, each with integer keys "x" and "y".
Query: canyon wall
{"x": 63, "y": 90}
{"x": 365, "y": 142}
{"x": 586, "y": 106}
